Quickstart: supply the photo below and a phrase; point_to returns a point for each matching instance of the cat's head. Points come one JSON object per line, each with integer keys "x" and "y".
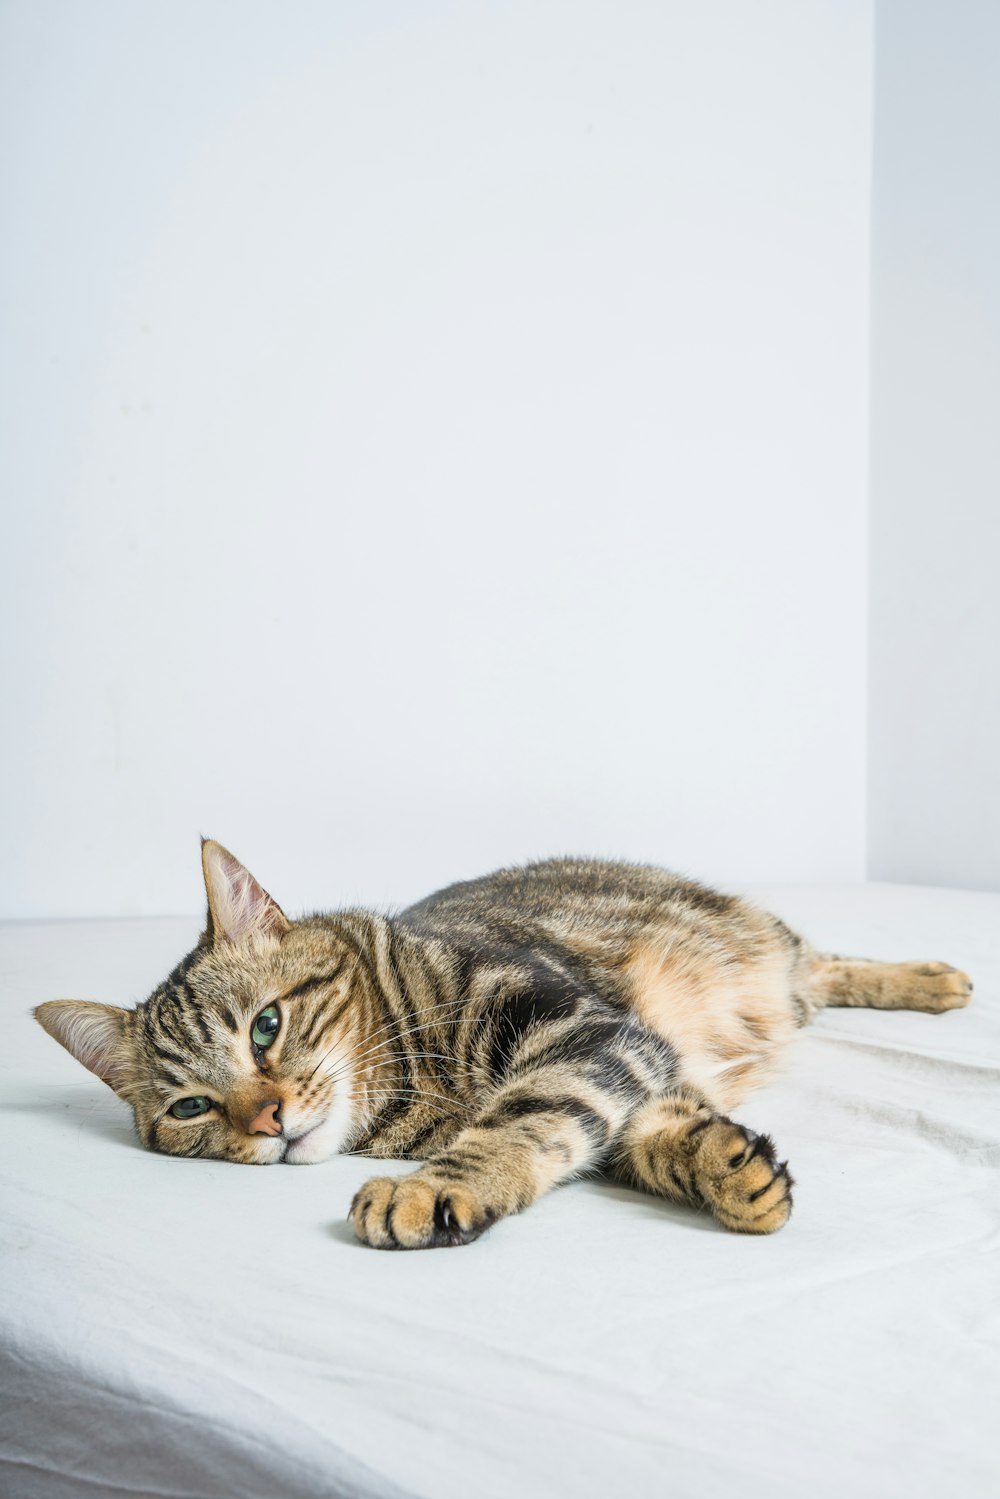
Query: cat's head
{"x": 244, "y": 1053}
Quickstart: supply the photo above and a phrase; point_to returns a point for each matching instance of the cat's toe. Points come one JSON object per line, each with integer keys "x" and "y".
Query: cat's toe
{"x": 460, "y": 1217}
{"x": 741, "y": 1180}
{"x": 938, "y": 987}
{"x": 369, "y": 1212}
{"x": 412, "y": 1212}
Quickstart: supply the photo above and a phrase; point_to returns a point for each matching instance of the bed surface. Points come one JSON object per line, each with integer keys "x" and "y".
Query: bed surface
{"x": 191, "y": 1328}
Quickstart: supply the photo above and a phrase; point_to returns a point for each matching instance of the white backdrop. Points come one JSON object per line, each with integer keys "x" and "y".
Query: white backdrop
{"x": 435, "y": 435}
{"x": 935, "y": 497}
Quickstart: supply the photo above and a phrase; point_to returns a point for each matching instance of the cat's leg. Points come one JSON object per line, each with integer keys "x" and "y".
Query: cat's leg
{"x": 679, "y": 1147}
{"x": 932, "y": 987}
{"x": 539, "y": 1129}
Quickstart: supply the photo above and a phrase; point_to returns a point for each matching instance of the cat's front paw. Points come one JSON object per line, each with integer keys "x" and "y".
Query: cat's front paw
{"x": 415, "y": 1212}
{"x": 740, "y": 1179}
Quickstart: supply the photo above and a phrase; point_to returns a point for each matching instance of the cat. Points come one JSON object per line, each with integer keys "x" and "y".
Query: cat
{"x": 510, "y": 1032}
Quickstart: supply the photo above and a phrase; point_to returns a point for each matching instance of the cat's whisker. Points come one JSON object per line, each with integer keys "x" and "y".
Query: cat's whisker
{"x": 372, "y": 1078}
{"x": 388, "y": 1042}
{"x": 389, "y": 1069}
{"x": 381, "y": 1091}
{"x": 454, "y": 1105}
{"x": 402, "y": 1031}
{"x": 370, "y": 1051}
{"x": 431, "y": 1016}
{"x": 346, "y": 984}
{"x": 455, "y": 1067}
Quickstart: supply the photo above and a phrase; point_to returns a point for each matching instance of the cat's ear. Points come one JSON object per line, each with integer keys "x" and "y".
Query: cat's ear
{"x": 238, "y": 908}
{"x": 93, "y": 1033}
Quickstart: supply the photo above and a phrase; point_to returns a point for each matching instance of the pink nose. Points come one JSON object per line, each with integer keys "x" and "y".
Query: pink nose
{"x": 267, "y": 1121}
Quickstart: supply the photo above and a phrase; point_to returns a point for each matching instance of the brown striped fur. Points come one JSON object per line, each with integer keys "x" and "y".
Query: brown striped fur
{"x": 509, "y": 1032}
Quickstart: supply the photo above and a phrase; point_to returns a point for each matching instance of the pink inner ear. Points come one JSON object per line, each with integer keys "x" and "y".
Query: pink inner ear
{"x": 250, "y": 899}
{"x": 92, "y": 1054}
{"x": 240, "y": 907}
{"x": 90, "y": 1032}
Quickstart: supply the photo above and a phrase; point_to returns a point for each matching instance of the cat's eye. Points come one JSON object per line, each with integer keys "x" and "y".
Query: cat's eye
{"x": 190, "y": 1108}
{"x": 266, "y": 1027}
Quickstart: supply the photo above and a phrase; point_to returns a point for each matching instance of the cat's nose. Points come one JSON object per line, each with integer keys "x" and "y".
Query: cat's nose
{"x": 267, "y": 1121}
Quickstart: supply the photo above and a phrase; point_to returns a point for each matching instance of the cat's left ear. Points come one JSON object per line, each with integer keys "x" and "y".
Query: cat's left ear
{"x": 91, "y": 1032}
{"x": 238, "y": 908}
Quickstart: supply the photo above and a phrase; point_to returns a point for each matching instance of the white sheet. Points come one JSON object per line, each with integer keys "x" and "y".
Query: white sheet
{"x": 192, "y": 1329}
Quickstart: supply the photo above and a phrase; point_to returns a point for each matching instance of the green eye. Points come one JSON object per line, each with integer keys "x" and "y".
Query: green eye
{"x": 190, "y": 1108}
{"x": 266, "y": 1027}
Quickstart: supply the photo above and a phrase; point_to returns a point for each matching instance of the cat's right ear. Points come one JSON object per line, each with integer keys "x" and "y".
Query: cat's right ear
{"x": 91, "y": 1032}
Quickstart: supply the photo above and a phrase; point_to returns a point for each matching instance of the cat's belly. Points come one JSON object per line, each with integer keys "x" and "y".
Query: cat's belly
{"x": 728, "y": 1017}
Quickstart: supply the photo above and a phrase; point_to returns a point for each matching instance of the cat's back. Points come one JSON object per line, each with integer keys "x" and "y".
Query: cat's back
{"x": 563, "y": 887}
{"x": 594, "y": 901}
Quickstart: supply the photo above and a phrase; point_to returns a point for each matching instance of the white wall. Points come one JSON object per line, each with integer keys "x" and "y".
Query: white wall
{"x": 436, "y": 435}
{"x": 935, "y": 497}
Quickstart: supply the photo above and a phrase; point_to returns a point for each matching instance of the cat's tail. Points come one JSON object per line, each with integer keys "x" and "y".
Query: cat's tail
{"x": 933, "y": 987}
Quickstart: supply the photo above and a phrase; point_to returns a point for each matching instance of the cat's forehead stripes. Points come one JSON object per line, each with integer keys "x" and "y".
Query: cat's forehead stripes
{"x": 175, "y": 1025}
{"x": 314, "y": 982}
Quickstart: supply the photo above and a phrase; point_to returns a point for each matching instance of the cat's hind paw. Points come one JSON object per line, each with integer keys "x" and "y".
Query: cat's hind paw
{"x": 935, "y": 987}
{"x": 740, "y": 1178}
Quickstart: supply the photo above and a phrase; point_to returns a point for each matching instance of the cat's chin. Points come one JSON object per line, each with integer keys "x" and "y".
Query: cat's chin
{"x": 318, "y": 1143}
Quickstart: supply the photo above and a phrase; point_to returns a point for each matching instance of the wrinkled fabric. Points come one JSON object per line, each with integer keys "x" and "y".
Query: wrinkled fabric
{"x": 202, "y": 1331}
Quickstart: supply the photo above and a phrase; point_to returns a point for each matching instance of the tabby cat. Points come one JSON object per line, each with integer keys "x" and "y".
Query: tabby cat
{"x": 511, "y": 1032}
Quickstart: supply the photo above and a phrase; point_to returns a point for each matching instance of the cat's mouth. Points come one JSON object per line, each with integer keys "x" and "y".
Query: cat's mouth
{"x": 297, "y": 1143}
{"x": 318, "y": 1142}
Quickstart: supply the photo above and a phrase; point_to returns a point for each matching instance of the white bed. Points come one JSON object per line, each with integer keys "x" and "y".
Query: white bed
{"x": 192, "y": 1329}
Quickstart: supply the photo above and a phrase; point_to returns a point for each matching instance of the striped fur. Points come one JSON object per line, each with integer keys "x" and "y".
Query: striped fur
{"x": 510, "y": 1032}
